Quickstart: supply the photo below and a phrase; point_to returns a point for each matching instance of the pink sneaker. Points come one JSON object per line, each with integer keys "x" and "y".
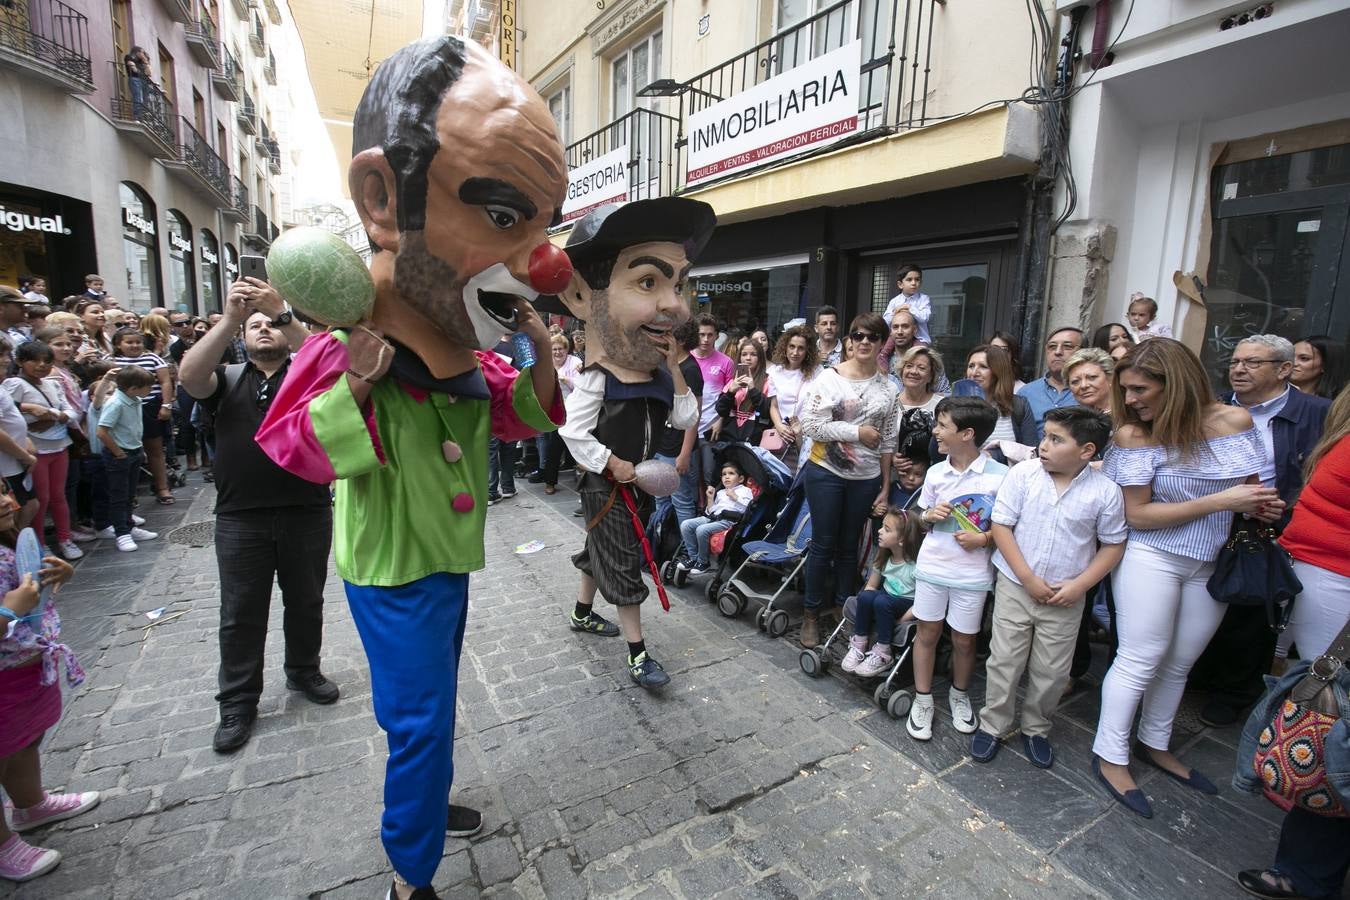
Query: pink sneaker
{"x": 21, "y": 861}
{"x": 857, "y": 652}
{"x": 53, "y": 808}
{"x": 875, "y": 664}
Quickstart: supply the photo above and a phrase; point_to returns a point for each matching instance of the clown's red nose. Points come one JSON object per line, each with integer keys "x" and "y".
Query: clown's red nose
{"x": 550, "y": 269}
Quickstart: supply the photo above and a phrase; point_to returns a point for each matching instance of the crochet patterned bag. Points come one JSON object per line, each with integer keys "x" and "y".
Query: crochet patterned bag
{"x": 1290, "y": 751}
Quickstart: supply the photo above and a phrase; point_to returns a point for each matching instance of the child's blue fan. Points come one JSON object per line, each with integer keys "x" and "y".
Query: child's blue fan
{"x": 28, "y": 553}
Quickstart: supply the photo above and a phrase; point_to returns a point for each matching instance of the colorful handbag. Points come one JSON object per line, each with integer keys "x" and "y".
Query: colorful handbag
{"x": 1290, "y": 751}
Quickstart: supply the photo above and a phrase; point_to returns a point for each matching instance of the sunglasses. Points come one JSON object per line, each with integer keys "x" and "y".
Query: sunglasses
{"x": 860, "y": 336}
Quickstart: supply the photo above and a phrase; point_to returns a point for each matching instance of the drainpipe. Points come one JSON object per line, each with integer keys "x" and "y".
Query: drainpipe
{"x": 1101, "y": 35}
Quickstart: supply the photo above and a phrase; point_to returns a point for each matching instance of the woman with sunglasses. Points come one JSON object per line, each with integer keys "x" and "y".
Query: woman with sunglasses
{"x": 850, "y": 414}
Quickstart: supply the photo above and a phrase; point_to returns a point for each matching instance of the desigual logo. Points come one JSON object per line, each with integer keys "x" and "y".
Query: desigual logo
{"x": 723, "y": 287}
{"x": 138, "y": 222}
{"x": 17, "y": 221}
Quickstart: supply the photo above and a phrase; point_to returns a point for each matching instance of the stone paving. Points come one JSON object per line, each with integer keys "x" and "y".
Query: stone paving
{"x": 743, "y": 779}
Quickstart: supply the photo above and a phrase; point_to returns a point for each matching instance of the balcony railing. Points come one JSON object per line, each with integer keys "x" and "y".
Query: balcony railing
{"x": 275, "y": 232}
{"x": 260, "y": 141}
{"x": 238, "y": 209}
{"x": 241, "y": 8}
{"x": 227, "y": 78}
{"x": 257, "y": 37}
{"x": 178, "y": 10}
{"x": 246, "y": 115}
{"x": 260, "y": 234}
{"x": 203, "y": 164}
{"x": 270, "y": 68}
{"x": 273, "y": 12}
{"x": 48, "y": 39}
{"x": 652, "y": 153}
{"x": 142, "y": 111}
{"x": 201, "y": 41}
{"x": 274, "y": 156}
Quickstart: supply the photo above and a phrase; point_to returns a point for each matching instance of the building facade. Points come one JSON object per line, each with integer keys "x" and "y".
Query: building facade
{"x": 155, "y": 176}
{"x": 1214, "y": 139}
{"x": 836, "y": 141}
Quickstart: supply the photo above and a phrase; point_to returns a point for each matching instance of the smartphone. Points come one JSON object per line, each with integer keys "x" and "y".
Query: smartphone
{"x": 742, "y": 371}
{"x": 253, "y": 267}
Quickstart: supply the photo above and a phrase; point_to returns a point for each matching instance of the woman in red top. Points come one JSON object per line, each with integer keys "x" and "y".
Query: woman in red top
{"x": 1318, "y": 534}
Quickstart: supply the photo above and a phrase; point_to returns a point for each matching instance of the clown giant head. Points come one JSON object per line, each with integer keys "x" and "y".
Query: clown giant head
{"x": 629, "y": 265}
{"x": 456, "y": 173}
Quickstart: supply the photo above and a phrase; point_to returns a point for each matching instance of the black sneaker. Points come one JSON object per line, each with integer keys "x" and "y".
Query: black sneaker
{"x": 314, "y": 686}
{"x": 647, "y": 672}
{"x": 233, "y": 731}
{"x": 507, "y": 495}
{"x": 494, "y": 497}
{"x": 462, "y": 821}
{"x": 594, "y": 623}
{"x": 422, "y": 893}
{"x": 535, "y": 477}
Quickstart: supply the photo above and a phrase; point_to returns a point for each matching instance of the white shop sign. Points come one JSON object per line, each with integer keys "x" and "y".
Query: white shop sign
{"x": 600, "y": 181}
{"x": 815, "y": 103}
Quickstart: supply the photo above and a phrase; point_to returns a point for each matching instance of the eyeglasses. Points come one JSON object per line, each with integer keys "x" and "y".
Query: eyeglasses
{"x": 860, "y": 336}
{"x": 1250, "y": 364}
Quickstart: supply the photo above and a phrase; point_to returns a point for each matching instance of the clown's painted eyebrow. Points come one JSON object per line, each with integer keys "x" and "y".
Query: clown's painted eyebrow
{"x": 494, "y": 191}
{"x": 661, "y": 265}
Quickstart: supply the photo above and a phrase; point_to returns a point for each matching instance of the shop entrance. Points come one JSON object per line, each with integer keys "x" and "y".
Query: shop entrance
{"x": 1280, "y": 238}
{"x": 45, "y": 235}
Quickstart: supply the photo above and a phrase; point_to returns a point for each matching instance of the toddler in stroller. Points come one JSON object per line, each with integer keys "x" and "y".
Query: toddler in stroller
{"x": 889, "y": 595}
{"x": 722, "y": 510}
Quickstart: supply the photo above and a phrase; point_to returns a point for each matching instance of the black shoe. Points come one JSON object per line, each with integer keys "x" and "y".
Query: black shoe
{"x": 594, "y": 623}
{"x": 494, "y": 498}
{"x": 647, "y": 672}
{"x": 1039, "y": 751}
{"x": 422, "y": 893}
{"x": 1195, "y": 780}
{"x": 983, "y": 746}
{"x": 233, "y": 731}
{"x": 1268, "y": 884}
{"x": 1133, "y": 800}
{"x": 314, "y": 686}
{"x": 462, "y": 821}
{"x": 1218, "y": 714}
{"x": 535, "y": 477}
{"x": 577, "y": 512}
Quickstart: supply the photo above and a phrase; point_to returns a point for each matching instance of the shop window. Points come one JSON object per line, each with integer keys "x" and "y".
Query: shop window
{"x": 632, "y": 70}
{"x": 168, "y": 76}
{"x": 231, "y": 262}
{"x": 182, "y": 287}
{"x": 210, "y": 259}
{"x": 140, "y": 248}
{"x": 752, "y": 294}
{"x": 958, "y": 293}
{"x": 560, "y": 105}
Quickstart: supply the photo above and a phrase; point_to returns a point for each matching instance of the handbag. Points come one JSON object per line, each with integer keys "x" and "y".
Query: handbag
{"x": 771, "y": 440}
{"x": 1253, "y": 570}
{"x": 1290, "y": 751}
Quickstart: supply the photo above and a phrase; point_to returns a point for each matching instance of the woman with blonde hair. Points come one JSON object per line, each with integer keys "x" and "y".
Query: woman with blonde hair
{"x": 1186, "y": 463}
{"x": 1088, "y": 374}
{"x": 157, "y": 334}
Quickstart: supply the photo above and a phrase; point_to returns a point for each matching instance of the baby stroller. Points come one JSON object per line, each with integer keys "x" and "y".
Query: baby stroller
{"x": 816, "y": 661}
{"x": 768, "y": 479}
{"x": 782, "y": 552}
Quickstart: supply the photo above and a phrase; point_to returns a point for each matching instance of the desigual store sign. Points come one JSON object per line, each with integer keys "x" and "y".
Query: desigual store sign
{"x": 46, "y": 235}
{"x": 21, "y": 221}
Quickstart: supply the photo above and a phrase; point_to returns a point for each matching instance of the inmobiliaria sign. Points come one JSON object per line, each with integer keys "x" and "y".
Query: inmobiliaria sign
{"x": 600, "y": 181}
{"x": 815, "y": 103}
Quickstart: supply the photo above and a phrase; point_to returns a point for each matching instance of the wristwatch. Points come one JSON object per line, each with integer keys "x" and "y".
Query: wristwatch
{"x": 282, "y": 320}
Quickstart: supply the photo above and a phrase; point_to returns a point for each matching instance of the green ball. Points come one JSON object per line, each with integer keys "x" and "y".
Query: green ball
{"x": 319, "y": 274}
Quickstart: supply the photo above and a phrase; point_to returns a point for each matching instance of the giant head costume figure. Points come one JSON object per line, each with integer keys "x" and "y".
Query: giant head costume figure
{"x": 629, "y": 265}
{"x": 456, "y": 173}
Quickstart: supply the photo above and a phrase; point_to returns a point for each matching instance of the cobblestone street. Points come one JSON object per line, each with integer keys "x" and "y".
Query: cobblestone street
{"x": 745, "y": 778}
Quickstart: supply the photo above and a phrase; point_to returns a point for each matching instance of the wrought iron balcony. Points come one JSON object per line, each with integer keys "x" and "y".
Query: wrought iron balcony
{"x": 274, "y": 156}
{"x": 178, "y": 10}
{"x": 257, "y": 37}
{"x": 227, "y": 78}
{"x": 238, "y": 209}
{"x": 258, "y": 231}
{"x": 202, "y": 42}
{"x": 273, "y": 13}
{"x": 142, "y": 112}
{"x": 270, "y": 68}
{"x": 651, "y": 163}
{"x": 246, "y": 115}
{"x": 49, "y": 40}
{"x": 260, "y": 141}
{"x": 200, "y": 166}
{"x": 241, "y": 8}
{"x": 276, "y": 232}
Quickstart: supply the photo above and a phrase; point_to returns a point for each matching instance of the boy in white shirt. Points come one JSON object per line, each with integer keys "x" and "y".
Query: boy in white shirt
{"x": 954, "y": 573}
{"x": 719, "y": 514}
{"x": 1059, "y": 525}
{"x": 919, "y": 304}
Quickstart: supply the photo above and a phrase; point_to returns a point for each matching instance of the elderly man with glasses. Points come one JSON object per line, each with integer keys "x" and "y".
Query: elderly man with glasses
{"x": 1290, "y": 423}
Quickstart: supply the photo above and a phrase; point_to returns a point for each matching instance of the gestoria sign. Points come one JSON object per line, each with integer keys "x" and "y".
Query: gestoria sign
{"x": 600, "y": 181}
{"x": 815, "y": 103}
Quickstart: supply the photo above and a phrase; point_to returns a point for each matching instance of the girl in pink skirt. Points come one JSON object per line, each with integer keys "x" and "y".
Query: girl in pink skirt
{"x": 30, "y": 703}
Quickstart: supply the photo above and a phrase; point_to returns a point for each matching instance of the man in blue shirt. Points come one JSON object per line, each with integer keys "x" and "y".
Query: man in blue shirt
{"x": 1051, "y": 392}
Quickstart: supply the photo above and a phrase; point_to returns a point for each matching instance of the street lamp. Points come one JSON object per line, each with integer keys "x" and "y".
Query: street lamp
{"x": 669, "y": 87}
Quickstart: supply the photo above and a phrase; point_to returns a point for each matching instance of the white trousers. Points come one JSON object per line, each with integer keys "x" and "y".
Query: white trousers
{"x": 1165, "y": 618}
{"x": 1321, "y": 610}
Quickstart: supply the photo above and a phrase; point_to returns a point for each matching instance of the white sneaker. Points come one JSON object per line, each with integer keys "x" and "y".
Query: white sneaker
{"x": 136, "y": 520}
{"x": 141, "y": 534}
{"x": 875, "y": 664}
{"x": 853, "y": 657}
{"x": 82, "y": 535}
{"x": 69, "y": 550}
{"x": 963, "y": 716}
{"x": 920, "y": 721}
{"x": 126, "y": 543}
{"x": 108, "y": 533}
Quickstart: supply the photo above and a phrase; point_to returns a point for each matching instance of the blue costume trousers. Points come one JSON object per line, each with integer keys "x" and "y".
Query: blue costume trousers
{"x": 412, "y": 635}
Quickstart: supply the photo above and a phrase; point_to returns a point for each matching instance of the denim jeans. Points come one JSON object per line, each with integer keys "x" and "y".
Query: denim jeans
{"x": 1314, "y": 853}
{"x": 291, "y": 545}
{"x": 697, "y": 534}
{"x": 550, "y": 448}
{"x": 501, "y": 466}
{"x": 95, "y": 474}
{"x": 877, "y": 611}
{"x": 839, "y": 510}
{"x": 123, "y": 476}
{"x": 684, "y": 497}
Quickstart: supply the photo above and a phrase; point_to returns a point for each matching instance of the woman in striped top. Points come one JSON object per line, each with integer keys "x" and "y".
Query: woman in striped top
{"x": 129, "y": 346}
{"x": 1186, "y": 463}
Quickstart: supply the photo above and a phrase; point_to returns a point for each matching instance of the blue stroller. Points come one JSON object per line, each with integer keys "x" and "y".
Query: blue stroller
{"x": 781, "y": 552}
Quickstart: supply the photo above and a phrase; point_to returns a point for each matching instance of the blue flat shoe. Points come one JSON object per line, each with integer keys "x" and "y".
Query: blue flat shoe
{"x": 1039, "y": 751}
{"x": 983, "y": 746}
{"x": 1134, "y": 800}
{"x": 1196, "y": 780}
